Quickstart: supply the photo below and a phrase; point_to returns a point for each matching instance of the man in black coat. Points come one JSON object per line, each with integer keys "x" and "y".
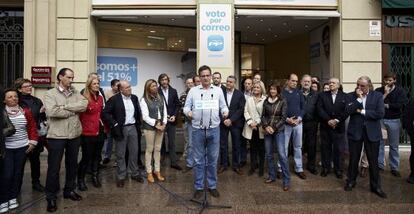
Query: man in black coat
{"x": 408, "y": 125}
{"x": 123, "y": 114}
{"x": 366, "y": 109}
{"x": 173, "y": 107}
{"x": 235, "y": 101}
{"x": 310, "y": 123}
{"x": 331, "y": 110}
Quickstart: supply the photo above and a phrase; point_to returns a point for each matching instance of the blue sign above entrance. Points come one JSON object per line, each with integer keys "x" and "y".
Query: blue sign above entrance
{"x": 122, "y": 68}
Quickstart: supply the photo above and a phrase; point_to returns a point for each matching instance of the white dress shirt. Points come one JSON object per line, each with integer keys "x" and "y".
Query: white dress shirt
{"x": 165, "y": 93}
{"x": 129, "y": 110}
{"x": 229, "y": 95}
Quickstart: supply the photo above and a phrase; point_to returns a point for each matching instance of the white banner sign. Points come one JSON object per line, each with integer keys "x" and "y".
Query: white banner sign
{"x": 215, "y": 35}
{"x": 288, "y": 2}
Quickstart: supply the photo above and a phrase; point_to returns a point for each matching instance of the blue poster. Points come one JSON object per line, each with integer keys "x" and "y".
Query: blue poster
{"x": 113, "y": 67}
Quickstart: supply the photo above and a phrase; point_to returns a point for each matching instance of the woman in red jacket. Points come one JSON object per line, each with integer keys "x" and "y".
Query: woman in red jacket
{"x": 93, "y": 134}
{"x": 22, "y": 142}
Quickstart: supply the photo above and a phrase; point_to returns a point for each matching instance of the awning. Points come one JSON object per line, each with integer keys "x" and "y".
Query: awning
{"x": 294, "y": 13}
{"x": 142, "y": 12}
{"x": 401, "y": 4}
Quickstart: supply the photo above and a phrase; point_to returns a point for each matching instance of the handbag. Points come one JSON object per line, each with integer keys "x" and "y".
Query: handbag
{"x": 8, "y": 127}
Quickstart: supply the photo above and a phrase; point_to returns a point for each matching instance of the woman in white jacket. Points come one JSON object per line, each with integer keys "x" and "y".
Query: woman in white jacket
{"x": 252, "y": 129}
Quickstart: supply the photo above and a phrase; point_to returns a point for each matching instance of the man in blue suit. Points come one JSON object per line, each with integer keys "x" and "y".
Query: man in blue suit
{"x": 366, "y": 109}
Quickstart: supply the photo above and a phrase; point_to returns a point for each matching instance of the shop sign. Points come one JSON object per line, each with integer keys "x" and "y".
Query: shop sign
{"x": 121, "y": 68}
{"x": 399, "y": 21}
{"x": 215, "y": 35}
{"x": 401, "y": 4}
{"x": 41, "y": 76}
{"x": 41, "y": 81}
{"x": 288, "y": 2}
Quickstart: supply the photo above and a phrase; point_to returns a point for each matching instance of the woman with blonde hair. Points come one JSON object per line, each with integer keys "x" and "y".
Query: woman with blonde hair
{"x": 154, "y": 114}
{"x": 93, "y": 134}
{"x": 253, "y": 130}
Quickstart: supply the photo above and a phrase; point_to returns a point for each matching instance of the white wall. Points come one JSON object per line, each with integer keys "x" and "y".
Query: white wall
{"x": 150, "y": 64}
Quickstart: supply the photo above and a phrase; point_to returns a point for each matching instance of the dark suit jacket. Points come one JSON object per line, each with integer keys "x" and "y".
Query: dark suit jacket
{"x": 236, "y": 108}
{"x": 374, "y": 112}
{"x": 114, "y": 112}
{"x": 328, "y": 110}
{"x": 173, "y": 104}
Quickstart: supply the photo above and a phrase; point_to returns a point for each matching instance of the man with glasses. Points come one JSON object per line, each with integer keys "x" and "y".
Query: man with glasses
{"x": 203, "y": 106}
{"x": 366, "y": 109}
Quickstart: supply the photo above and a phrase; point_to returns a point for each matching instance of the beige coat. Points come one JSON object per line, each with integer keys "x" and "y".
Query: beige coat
{"x": 253, "y": 112}
{"x": 63, "y": 113}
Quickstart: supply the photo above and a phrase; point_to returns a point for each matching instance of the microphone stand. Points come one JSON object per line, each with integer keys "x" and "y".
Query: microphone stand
{"x": 204, "y": 204}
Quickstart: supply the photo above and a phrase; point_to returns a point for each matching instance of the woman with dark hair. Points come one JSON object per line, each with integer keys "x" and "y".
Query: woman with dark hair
{"x": 273, "y": 119}
{"x": 22, "y": 142}
{"x": 27, "y": 100}
{"x": 154, "y": 114}
{"x": 93, "y": 134}
{"x": 315, "y": 86}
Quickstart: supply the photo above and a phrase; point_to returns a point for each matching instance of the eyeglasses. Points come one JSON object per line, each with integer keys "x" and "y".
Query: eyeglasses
{"x": 204, "y": 76}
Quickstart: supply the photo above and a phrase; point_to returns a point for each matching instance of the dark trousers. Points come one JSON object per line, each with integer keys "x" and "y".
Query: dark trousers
{"x": 170, "y": 130}
{"x": 371, "y": 150}
{"x": 11, "y": 176}
{"x": 91, "y": 150}
{"x": 412, "y": 154}
{"x": 243, "y": 150}
{"x": 310, "y": 130}
{"x": 34, "y": 158}
{"x": 257, "y": 151}
{"x": 224, "y": 146}
{"x": 331, "y": 144}
{"x": 56, "y": 148}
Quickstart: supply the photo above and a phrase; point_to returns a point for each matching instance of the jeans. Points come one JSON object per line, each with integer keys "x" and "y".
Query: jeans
{"x": 11, "y": 174}
{"x": 296, "y": 132}
{"x": 188, "y": 137}
{"x": 277, "y": 140}
{"x": 206, "y": 148}
{"x": 393, "y": 127}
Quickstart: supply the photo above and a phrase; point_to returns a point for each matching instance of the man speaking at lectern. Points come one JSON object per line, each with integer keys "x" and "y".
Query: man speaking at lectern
{"x": 203, "y": 105}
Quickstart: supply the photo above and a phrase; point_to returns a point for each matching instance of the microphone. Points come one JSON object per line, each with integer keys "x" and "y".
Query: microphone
{"x": 209, "y": 123}
{"x": 202, "y": 112}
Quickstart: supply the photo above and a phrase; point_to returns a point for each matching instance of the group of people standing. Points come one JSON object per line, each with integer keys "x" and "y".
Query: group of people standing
{"x": 283, "y": 117}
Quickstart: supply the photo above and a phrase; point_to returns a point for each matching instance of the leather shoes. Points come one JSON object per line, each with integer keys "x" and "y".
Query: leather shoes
{"x": 120, "y": 183}
{"x": 285, "y": 188}
{"x": 379, "y": 192}
{"x": 221, "y": 170}
{"x": 278, "y": 175}
{"x": 338, "y": 174}
{"x": 313, "y": 171}
{"x": 363, "y": 173}
{"x": 176, "y": 166}
{"x": 395, "y": 173}
{"x": 38, "y": 187}
{"x": 72, "y": 196}
{"x": 214, "y": 193}
{"x": 51, "y": 206}
{"x": 324, "y": 172}
{"x": 348, "y": 186}
{"x": 187, "y": 169}
{"x": 269, "y": 180}
{"x": 137, "y": 178}
{"x": 238, "y": 171}
{"x": 301, "y": 175}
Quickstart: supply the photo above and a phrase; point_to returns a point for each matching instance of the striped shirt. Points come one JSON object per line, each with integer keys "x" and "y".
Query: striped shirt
{"x": 20, "y": 138}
